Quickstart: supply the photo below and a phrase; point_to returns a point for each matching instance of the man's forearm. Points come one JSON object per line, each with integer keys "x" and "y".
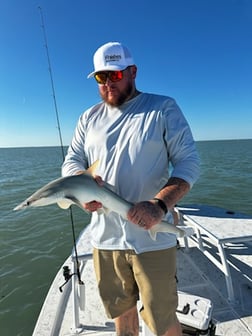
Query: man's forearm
{"x": 173, "y": 191}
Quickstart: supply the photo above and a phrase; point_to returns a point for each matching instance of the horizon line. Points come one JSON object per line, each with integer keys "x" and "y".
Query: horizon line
{"x": 44, "y": 146}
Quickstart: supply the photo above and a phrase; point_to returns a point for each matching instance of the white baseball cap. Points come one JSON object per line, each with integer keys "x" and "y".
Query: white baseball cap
{"x": 112, "y": 56}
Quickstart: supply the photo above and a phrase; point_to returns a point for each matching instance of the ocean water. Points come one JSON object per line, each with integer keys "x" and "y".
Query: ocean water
{"x": 35, "y": 243}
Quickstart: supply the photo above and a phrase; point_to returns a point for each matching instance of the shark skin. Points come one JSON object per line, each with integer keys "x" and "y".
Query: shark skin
{"x": 80, "y": 189}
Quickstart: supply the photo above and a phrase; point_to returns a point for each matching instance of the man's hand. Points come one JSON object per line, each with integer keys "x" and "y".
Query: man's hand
{"x": 145, "y": 214}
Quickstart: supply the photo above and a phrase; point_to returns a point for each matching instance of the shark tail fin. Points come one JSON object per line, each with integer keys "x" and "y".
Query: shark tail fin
{"x": 187, "y": 230}
{"x": 153, "y": 233}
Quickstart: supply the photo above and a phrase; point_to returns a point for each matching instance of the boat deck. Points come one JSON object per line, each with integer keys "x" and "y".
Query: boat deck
{"x": 196, "y": 275}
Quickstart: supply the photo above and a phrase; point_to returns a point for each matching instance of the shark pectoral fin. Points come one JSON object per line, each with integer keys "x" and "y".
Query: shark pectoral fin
{"x": 92, "y": 169}
{"x": 103, "y": 210}
{"x": 65, "y": 203}
{"x": 100, "y": 211}
{"x": 106, "y": 210}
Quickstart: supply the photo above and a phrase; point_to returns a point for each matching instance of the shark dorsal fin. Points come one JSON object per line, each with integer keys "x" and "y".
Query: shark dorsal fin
{"x": 92, "y": 169}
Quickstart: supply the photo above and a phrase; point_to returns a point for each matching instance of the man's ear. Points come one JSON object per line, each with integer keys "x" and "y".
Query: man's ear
{"x": 133, "y": 69}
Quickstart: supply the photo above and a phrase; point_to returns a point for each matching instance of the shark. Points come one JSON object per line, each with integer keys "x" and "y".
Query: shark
{"x": 83, "y": 188}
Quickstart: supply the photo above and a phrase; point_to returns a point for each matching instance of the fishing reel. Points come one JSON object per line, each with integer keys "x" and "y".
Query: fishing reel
{"x": 67, "y": 276}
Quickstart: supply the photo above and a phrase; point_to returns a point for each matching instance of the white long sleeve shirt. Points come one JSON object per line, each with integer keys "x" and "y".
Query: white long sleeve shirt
{"x": 135, "y": 144}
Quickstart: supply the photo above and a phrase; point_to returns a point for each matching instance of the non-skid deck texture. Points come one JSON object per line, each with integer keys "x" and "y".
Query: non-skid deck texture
{"x": 196, "y": 275}
{"x": 222, "y": 229}
{"x": 222, "y": 224}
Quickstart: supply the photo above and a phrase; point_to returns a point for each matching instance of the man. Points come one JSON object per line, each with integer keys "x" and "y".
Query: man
{"x": 134, "y": 136}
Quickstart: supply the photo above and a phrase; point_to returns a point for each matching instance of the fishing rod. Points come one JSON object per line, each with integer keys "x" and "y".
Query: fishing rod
{"x": 52, "y": 82}
{"x": 66, "y": 273}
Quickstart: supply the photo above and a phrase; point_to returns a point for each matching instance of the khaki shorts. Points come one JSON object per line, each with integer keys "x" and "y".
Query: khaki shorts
{"x": 122, "y": 275}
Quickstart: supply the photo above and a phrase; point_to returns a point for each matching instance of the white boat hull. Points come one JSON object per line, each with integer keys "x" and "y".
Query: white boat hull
{"x": 197, "y": 276}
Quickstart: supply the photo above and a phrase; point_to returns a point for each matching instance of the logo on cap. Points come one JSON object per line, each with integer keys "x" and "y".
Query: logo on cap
{"x": 112, "y": 58}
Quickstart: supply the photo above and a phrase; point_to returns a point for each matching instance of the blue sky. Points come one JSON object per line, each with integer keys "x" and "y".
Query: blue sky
{"x": 196, "y": 51}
